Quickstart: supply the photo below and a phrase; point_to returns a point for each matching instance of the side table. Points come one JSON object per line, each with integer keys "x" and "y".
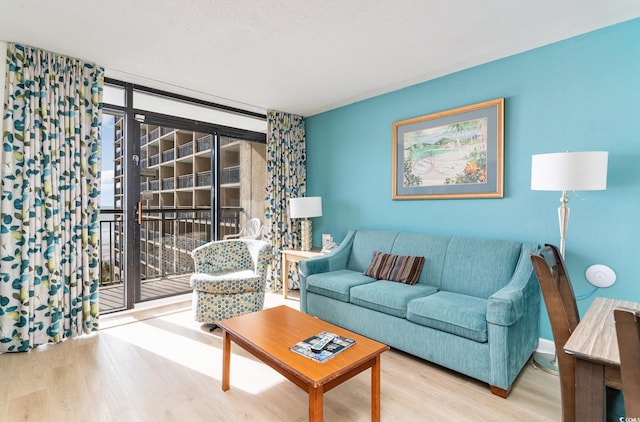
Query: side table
{"x": 293, "y": 255}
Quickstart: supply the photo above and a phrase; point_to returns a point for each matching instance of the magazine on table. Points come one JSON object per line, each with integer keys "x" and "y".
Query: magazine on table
{"x": 335, "y": 346}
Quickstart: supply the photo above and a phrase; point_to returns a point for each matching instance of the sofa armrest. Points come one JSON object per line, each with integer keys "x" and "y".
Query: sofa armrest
{"x": 507, "y": 305}
{"x": 335, "y": 260}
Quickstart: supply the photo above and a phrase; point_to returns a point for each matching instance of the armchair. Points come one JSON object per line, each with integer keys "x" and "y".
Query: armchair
{"x": 229, "y": 279}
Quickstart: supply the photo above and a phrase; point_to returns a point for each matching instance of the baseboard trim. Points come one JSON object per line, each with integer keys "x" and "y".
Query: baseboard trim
{"x": 146, "y": 310}
{"x": 546, "y": 346}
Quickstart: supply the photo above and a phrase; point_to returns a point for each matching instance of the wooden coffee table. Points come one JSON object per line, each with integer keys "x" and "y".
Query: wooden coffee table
{"x": 268, "y": 334}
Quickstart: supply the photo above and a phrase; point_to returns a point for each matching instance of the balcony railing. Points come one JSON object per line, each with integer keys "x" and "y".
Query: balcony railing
{"x": 167, "y": 183}
{"x": 167, "y": 238}
{"x": 229, "y": 221}
{"x": 168, "y": 155}
{"x": 204, "y": 178}
{"x": 155, "y": 133}
{"x": 185, "y": 181}
{"x": 205, "y": 143}
{"x": 184, "y": 150}
{"x": 231, "y": 175}
{"x": 165, "y": 251}
{"x": 110, "y": 253}
{"x": 171, "y": 235}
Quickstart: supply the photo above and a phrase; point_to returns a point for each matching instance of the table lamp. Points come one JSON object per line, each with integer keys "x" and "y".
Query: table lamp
{"x": 563, "y": 172}
{"x": 305, "y": 208}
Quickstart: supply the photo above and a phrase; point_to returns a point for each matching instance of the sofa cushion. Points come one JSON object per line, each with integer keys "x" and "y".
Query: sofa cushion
{"x": 405, "y": 269}
{"x": 479, "y": 267}
{"x": 454, "y": 313}
{"x": 365, "y": 243}
{"x": 336, "y": 284}
{"x": 388, "y": 297}
{"x": 432, "y": 248}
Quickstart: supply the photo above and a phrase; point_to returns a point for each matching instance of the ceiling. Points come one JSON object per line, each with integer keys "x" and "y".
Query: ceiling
{"x": 298, "y": 56}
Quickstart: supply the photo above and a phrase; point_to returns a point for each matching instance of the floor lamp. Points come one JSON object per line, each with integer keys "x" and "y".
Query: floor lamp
{"x": 306, "y": 208}
{"x": 564, "y": 172}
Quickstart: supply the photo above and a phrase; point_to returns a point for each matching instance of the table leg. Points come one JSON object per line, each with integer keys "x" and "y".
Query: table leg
{"x": 315, "y": 404}
{"x": 590, "y": 391}
{"x": 226, "y": 359}
{"x": 375, "y": 390}
{"x": 285, "y": 275}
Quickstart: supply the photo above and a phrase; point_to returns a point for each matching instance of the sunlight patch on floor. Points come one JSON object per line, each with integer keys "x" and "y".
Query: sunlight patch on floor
{"x": 184, "y": 342}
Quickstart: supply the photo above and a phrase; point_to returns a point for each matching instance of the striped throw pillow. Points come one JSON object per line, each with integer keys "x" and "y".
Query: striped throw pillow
{"x": 404, "y": 269}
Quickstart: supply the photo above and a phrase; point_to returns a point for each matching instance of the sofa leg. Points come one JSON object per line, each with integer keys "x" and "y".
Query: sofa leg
{"x": 499, "y": 391}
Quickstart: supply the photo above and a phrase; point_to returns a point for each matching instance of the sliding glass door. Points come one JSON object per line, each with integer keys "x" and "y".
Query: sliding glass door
{"x": 176, "y": 187}
{"x": 169, "y": 184}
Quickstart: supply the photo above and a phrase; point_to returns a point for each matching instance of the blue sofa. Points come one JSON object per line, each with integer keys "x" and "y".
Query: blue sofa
{"x": 475, "y": 308}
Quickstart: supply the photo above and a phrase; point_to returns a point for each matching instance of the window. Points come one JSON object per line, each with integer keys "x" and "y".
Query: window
{"x": 195, "y": 171}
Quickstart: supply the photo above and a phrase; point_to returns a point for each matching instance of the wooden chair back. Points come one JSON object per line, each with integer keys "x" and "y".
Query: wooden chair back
{"x": 628, "y": 333}
{"x": 561, "y": 305}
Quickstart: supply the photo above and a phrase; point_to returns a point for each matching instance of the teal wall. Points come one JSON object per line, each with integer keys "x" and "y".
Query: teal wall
{"x": 579, "y": 94}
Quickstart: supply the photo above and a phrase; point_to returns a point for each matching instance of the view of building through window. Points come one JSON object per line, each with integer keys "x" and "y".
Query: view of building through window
{"x": 111, "y": 221}
{"x": 107, "y": 163}
{"x": 194, "y": 186}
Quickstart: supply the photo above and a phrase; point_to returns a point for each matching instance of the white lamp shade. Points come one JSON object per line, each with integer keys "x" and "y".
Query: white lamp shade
{"x": 569, "y": 171}
{"x": 310, "y": 206}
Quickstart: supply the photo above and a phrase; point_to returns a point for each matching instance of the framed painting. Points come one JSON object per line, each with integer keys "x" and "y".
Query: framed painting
{"x": 451, "y": 154}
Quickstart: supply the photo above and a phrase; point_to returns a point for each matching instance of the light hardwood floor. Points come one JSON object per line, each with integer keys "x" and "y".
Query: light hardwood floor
{"x": 157, "y": 364}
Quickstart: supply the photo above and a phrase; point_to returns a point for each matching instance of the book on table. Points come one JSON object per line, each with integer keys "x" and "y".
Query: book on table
{"x": 337, "y": 345}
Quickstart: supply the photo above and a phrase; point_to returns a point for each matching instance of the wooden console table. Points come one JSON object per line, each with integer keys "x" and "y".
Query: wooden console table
{"x": 594, "y": 344}
{"x": 293, "y": 255}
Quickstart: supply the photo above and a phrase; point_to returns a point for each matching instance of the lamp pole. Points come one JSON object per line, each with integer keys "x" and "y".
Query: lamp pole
{"x": 546, "y": 361}
{"x": 563, "y": 220}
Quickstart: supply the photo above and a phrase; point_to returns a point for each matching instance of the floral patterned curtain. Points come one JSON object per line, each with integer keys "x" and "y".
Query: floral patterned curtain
{"x": 286, "y": 178}
{"x": 50, "y": 188}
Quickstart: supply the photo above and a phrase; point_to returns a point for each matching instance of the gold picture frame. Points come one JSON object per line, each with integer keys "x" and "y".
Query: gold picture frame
{"x": 451, "y": 154}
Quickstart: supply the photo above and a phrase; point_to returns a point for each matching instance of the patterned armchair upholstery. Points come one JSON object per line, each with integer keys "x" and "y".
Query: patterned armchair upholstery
{"x": 229, "y": 279}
